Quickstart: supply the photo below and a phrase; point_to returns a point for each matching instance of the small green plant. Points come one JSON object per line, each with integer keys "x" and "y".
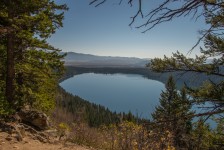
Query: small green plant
{"x": 5, "y": 109}
{"x": 63, "y": 129}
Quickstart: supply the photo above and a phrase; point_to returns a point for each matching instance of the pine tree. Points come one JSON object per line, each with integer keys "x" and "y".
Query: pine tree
{"x": 171, "y": 118}
{"x": 211, "y": 59}
{"x": 31, "y": 67}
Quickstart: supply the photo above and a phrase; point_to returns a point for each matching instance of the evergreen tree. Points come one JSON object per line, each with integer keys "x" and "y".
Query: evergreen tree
{"x": 210, "y": 92}
{"x": 172, "y": 123}
{"x": 30, "y": 66}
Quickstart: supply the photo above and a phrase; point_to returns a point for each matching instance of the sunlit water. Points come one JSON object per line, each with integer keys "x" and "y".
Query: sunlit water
{"x": 118, "y": 92}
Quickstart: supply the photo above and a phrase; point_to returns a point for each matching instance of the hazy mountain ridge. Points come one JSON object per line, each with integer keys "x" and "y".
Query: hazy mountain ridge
{"x": 88, "y": 60}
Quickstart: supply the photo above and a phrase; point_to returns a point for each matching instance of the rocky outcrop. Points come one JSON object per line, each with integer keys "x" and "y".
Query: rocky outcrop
{"x": 35, "y": 118}
{"x": 15, "y": 130}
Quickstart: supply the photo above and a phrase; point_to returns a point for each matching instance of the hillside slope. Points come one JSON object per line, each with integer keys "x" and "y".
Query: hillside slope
{"x": 87, "y": 60}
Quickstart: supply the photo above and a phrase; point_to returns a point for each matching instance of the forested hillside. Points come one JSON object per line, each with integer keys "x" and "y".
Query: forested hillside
{"x": 92, "y": 114}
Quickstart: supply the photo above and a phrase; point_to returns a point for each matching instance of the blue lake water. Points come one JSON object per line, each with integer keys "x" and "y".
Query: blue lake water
{"x": 118, "y": 92}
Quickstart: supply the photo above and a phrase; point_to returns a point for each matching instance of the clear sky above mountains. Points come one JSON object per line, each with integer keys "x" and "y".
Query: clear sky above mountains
{"x": 104, "y": 31}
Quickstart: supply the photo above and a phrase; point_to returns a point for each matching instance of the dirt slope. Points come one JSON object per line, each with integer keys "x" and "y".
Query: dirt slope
{"x": 9, "y": 143}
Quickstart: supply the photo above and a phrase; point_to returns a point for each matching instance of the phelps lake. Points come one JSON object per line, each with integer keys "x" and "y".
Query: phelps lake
{"x": 118, "y": 92}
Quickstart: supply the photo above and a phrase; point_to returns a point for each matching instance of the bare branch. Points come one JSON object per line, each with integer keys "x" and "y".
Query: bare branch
{"x": 164, "y": 13}
{"x": 95, "y": 1}
{"x": 120, "y": 2}
{"x": 170, "y": 9}
{"x": 138, "y": 13}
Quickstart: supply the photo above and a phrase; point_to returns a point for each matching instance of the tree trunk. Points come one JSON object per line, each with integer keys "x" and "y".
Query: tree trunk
{"x": 10, "y": 72}
{"x": 19, "y": 76}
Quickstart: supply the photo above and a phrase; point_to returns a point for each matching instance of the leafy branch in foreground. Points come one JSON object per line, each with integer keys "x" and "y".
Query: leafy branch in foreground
{"x": 210, "y": 61}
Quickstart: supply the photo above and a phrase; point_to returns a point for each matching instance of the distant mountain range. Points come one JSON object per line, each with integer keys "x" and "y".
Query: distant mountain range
{"x": 87, "y": 60}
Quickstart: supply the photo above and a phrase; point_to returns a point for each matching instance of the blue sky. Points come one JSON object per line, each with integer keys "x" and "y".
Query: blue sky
{"x": 104, "y": 31}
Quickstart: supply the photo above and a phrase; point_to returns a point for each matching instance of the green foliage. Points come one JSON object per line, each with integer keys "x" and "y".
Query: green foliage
{"x": 63, "y": 126}
{"x": 202, "y": 136}
{"x": 179, "y": 62}
{"x": 41, "y": 72}
{"x": 218, "y": 140}
{"x": 38, "y": 65}
{"x": 209, "y": 92}
{"x": 172, "y": 118}
{"x": 5, "y": 109}
{"x": 214, "y": 50}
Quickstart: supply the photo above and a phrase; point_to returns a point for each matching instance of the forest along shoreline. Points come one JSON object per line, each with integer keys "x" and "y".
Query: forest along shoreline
{"x": 191, "y": 79}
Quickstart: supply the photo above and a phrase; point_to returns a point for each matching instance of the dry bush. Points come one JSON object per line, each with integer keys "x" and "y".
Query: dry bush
{"x": 130, "y": 136}
{"x": 82, "y": 134}
{"x": 124, "y": 136}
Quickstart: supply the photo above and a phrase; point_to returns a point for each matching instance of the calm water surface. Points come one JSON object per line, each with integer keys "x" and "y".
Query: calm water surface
{"x": 118, "y": 92}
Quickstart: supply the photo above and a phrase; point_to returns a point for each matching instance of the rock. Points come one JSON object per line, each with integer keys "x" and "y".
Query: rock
{"x": 16, "y": 147}
{"x": 6, "y": 127}
{"x": 26, "y": 142}
{"x": 8, "y": 138}
{"x": 16, "y": 118}
{"x": 18, "y": 137}
{"x": 35, "y": 118}
{"x": 21, "y": 130}
{"x": 41, "y": 139}
{"x": 52, "y": 133}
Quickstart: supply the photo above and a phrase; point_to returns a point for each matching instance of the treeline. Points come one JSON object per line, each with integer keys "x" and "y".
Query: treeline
{"x": 92, "y": 114}
{"x": 191, "y": 79}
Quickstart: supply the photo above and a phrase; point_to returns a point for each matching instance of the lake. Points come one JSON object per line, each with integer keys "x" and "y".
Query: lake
{"x": 118, "y": 92}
